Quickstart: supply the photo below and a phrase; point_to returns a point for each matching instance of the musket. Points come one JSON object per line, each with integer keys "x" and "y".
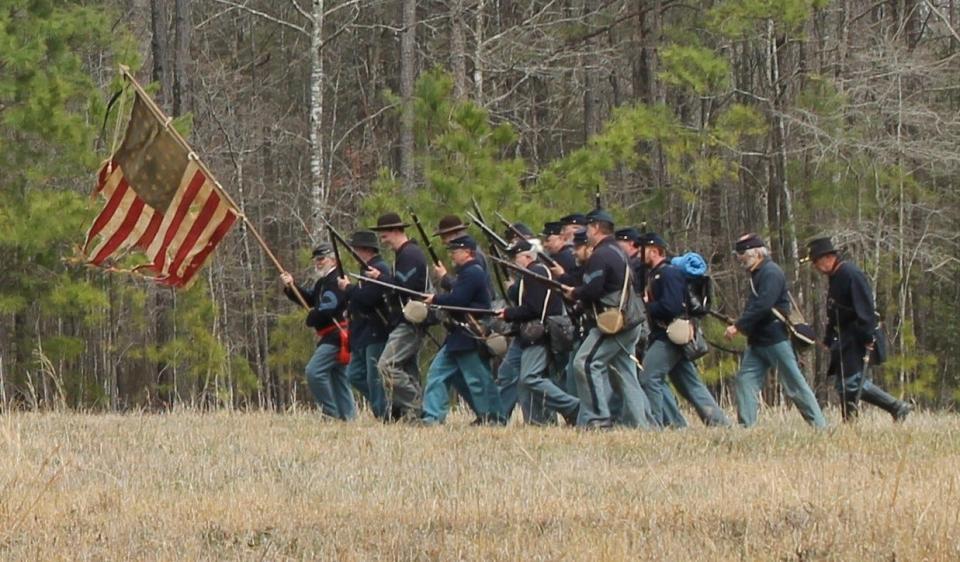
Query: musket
{"x": 336, "y": 253}
{"x": 496, "y": 244}
{"x": 596, "y": 198}
{"x": 336, "y": 237}
{"x": 476, "y": 209}
{"x": 426, "y": 239}
{"x": 722, "y": 317}
{"x": 497, "y": 241}
{"x": 510, "y": 226}
{"x": 543, "y": 255}
{"x": 551, "y": 283}
{"x": 397, "y": 288}
{"x": 413, "y": 293}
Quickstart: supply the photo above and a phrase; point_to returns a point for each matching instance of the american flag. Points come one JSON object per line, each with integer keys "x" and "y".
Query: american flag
{"x": 160, "y": 202}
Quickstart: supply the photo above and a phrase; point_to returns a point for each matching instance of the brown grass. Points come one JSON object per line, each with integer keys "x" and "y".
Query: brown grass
{"x": 268, "y": 487}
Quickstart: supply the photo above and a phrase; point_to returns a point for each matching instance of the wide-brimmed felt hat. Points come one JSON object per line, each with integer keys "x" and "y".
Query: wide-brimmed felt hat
{"x": 365, "y": 239}
{"x": 463, "y": 242}
{"x": 448, "y": 224}
{"x": 819, "y": 247}
{"x": 389, "y": 221}
{"x": 747, "y": 242}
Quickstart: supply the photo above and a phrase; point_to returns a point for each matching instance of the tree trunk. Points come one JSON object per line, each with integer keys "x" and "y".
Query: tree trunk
{"x": 182, "y": 65}
{"x": 787, "y": 224}
{"x": 458, "y": 50}
{"x": 478, "y": 54}
{"x": 160, "y": 49}
{"x": 408, "y": 71}
{"x": 318, "y": 188}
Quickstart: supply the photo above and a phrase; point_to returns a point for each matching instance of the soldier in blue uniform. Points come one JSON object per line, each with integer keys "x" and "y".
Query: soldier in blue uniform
{"x": 450, "y": 227}
{"x": 665, "y": 296}
{"x": 535, "y": 305}
{"x": 366, "y": 307}
{"x": 325, "y": 371}
{"x": 581, "y": 252}
{"x": 603, "y": 364}
{"x": 852, "y": 332}
{"x": 511, "y": 391}
{"x": 560, "y": 248}
{"x": 768, "y": 345}
{"x": 459, "y": 355}
{"x": 631, "y": 242}
{"x": 398, "y": 364}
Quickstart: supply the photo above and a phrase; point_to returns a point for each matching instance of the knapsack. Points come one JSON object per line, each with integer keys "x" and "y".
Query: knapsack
{"x": 699, "y": 297}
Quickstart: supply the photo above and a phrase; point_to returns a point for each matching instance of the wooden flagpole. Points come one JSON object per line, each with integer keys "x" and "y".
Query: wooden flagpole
{"x": 158, "y": 113}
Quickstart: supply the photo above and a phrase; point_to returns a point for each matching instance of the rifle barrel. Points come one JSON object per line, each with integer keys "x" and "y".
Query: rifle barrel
{"x": 411, "y": 292}
{"x": 489, "y": 232}
{"x": 552, "y": 283}
{"x": 426, "y": 239}
{"x": 397, "y": 288}
{"x": 336, "y": 251}
{"x": 722, "y": 317}
{"x": 337, "y": 237}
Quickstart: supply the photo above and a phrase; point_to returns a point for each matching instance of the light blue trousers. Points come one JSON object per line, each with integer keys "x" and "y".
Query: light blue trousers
{"x": 446, "y": 367}
{"x": 328, "y": 382}
{"x": 665, "y": 359}
{"x": 603, "y": 367}
{"x": 757, "y": 362}
{"x": 364, "y": 376}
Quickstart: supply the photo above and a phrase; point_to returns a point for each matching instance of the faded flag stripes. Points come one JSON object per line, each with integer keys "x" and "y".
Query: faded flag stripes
{"x": 158, "y": 201}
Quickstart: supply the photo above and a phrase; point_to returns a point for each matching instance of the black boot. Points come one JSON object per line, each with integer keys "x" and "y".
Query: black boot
{"x": 903, "y": 409}
{"x": 874, "y": 395}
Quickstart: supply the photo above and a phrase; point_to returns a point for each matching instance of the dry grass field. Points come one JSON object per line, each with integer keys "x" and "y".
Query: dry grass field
{"x": 278, "y": 487}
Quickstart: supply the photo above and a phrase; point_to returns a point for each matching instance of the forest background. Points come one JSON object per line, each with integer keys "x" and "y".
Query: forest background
{"x": 790, "y": 118}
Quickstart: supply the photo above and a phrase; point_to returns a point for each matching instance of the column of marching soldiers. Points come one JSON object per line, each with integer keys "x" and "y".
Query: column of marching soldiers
{"x": 584, "y": 322}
